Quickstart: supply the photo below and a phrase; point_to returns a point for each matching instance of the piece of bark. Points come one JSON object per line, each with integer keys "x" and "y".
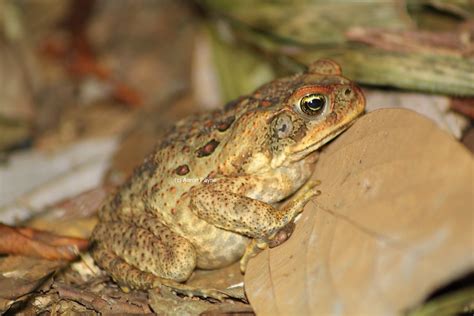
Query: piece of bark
{"x": 445, "y": 43}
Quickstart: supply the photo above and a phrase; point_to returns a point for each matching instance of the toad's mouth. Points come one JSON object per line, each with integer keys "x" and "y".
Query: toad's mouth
{"x": 301, "y": 154}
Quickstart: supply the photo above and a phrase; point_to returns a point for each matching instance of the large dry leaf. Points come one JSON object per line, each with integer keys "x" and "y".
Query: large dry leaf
{"x": 394, "y": 222}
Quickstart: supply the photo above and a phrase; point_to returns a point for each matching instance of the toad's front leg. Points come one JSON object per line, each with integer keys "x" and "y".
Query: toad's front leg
{"x": 246, "y": 216}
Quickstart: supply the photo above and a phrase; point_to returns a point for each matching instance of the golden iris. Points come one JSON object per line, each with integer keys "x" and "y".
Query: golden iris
{"x": 313, "y": 104}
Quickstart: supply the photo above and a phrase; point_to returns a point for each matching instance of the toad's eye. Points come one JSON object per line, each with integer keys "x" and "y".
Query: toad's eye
{"x": 313, "y": 104}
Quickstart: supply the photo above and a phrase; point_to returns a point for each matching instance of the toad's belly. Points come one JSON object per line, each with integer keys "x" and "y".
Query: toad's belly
{"x": 217, "y": 248}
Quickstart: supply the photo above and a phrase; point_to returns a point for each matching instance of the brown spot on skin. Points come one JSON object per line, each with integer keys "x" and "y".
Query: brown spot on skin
{"x": 173, "y": 211}
{"x": 265, "y": 103}
{"x": 208, "y": 124}
{"x": 182, "y": 170}
{"x": 173, "y": 190}
{"x": 207, "y": 149}
{"x": 225, "y": 124}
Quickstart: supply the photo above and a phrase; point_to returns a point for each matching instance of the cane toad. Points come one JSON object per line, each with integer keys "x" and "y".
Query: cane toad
{"x": 204, "y": 198}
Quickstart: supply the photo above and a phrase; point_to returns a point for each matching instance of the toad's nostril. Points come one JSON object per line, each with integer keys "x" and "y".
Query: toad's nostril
{"x": 347, "y": 92}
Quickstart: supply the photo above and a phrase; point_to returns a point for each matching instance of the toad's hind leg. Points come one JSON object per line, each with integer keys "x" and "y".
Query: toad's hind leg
{"x": 140, "y": 259}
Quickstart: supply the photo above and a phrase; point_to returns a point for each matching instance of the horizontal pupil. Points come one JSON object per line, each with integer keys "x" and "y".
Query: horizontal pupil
{"x": 315, "y": 103}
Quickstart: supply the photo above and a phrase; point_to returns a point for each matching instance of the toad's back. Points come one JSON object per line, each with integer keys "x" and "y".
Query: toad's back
{"x": 157, "y": 190}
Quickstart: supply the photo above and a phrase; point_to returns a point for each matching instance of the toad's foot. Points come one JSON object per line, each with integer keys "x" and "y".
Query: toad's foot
{"x": 297, "y": 203}
{"x": 215, "y": 294}
{"x": 191, "y": 291}
{"x": 155, "y": 282}
{"x": 210, "y": 294}
{"x": 251, "y": 251}
{"x": 289, "y": 212}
